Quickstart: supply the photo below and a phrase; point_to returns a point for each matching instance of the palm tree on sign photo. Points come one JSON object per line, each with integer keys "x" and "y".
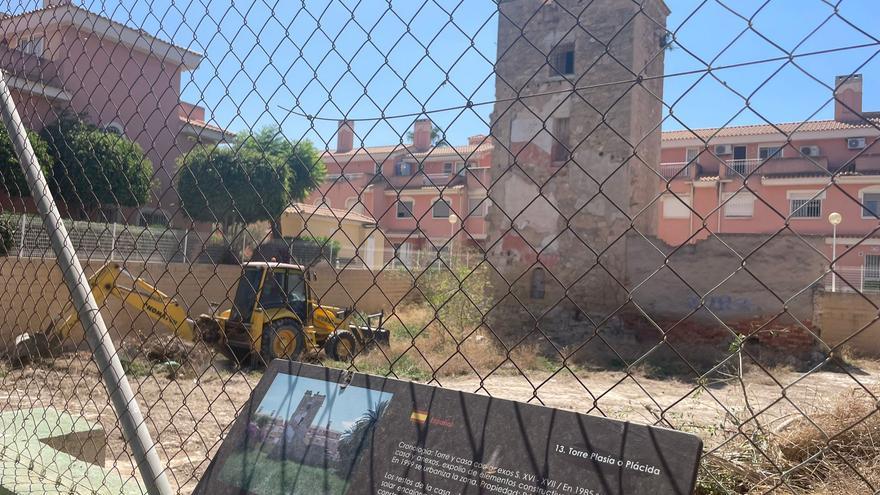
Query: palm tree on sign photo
{"x": 357, "y": 438}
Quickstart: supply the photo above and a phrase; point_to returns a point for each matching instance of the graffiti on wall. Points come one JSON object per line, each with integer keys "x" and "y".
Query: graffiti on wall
{"x": 722, "y": 303}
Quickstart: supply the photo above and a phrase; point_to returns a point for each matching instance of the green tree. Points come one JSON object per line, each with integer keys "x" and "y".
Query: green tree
{"x": 307, "y": 170}
{"x": 94, "y": 167}
{"x": 232, "y": 186}
{"x": 12, "y": 179}
{"x": 303, "y": 161}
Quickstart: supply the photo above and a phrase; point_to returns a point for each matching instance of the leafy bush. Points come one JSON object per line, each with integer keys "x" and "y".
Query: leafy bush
{"x": 12, "y": 179}
{"x": 94, "y": 167}
{"x": 461, "y": 296}
{"x": 7, "y": 232}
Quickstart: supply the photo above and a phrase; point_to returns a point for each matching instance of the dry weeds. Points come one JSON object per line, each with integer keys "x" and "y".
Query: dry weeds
{"x": 835, "y": 450}
{"x": 423, "y": 347}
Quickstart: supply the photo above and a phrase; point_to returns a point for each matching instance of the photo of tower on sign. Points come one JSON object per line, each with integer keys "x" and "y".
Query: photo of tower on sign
{"x": 305, "y": 435}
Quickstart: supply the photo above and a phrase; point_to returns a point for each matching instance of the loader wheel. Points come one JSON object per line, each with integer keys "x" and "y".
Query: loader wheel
{"x": 341, "y": 346}
{"x": 282, "y": 339}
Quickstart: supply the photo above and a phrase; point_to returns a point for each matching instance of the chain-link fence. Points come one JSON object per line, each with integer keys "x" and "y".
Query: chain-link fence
{"x": 660, "y": 212}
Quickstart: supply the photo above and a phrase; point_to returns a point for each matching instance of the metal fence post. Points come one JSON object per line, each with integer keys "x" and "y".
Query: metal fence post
{"x": 118, "y": 388}
{"x": 185, "y": 243}
{"x": 113, "y": 242}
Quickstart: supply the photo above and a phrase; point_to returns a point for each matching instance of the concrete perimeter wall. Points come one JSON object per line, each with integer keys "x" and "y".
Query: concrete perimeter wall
{"x": 32, "y": 293}
{"x": 842, "y": 316}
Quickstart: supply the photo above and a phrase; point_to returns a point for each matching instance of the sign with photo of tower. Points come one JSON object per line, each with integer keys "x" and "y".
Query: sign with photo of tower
{"x": 314, "y": 430}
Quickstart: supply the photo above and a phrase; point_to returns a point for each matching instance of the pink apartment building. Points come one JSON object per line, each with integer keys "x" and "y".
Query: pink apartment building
{"x": 787, "y": 169}
{"x": 411, "y": 190}
{"x": 63, "y": 57}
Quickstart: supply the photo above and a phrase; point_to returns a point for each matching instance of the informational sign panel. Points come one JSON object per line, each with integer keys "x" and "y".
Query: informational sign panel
{"x": 312, "y": 430}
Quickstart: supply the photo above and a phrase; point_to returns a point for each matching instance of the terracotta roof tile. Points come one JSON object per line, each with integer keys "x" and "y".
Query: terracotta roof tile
{"x": 204, "y": 125}
{"x": 307, "y": 210}
{"x": 15, "y": 17}
{"x": 406, "y": 151}
{"x": 787, "y": 128}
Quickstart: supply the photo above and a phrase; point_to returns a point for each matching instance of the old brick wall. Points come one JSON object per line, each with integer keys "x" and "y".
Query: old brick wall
{"x": 765, "y": 294}
{"x": 745, "y": 283}
{"x": 849, "y": 319}
{"x": 35, "y": 294}
{"x": 567, "y": 219}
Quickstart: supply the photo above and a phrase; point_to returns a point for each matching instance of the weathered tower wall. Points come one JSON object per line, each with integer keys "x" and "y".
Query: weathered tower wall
{"x": 560, "y": 227}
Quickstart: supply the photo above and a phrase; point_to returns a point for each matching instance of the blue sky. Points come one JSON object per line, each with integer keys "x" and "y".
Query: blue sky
{"x": 341, "y": 408}
{"x": 286, "y": 57}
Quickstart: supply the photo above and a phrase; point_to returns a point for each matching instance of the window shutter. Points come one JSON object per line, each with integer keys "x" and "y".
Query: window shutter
{"x": 739, "y": 205}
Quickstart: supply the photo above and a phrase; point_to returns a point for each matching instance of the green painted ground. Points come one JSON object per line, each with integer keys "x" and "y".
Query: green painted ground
{"x": 28, "y": 464}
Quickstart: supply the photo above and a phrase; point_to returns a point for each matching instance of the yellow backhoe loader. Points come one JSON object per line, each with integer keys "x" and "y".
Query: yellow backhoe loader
{"x": 273, "y": 315}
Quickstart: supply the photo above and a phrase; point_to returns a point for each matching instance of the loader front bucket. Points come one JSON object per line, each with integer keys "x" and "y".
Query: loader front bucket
{"x": 372, "y": 336}
{"x": 31, "y": 347}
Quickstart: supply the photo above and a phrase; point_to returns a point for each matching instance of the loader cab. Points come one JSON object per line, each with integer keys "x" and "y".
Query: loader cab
{"x": 271, "y": 285}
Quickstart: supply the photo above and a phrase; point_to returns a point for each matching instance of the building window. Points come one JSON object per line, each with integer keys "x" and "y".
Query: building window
{"x": 440, "y": 209}
{"x": 32, "y": 46}
{"x": 676, "y": 206}
{"x": 478, "y": 206}
{"x": 561, "y": 142}
{"x": 805, "y": 204}
{"x": 403, "y": 169}
{"x": 691, "y": 154}
{"x": 767, "y": 152}
{"x": 871, "y": 205}
{"x": 806, "y": 208}
{"x": 447, "y": 168}
{"x": 404, "y": 208}
{"x": 562, "y": 60}
{"x": 738, "y": 205}
{"x": 538, "y": 284}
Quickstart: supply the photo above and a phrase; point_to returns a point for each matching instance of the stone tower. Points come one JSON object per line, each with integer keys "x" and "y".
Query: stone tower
{"x": 304, "y": 415}
{"x": 577, "y": 130}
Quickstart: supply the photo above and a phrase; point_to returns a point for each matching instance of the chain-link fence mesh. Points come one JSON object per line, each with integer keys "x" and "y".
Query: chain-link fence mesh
{"x": 660, "y": 212}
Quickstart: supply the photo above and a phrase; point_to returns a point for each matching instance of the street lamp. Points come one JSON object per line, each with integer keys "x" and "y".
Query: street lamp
{"x": 834, "y": 219}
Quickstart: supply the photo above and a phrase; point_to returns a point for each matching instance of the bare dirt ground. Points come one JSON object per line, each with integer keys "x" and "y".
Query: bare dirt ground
{"x": 187, "y": 415}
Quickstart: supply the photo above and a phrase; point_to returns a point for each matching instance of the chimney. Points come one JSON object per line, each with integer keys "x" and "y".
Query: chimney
{"x": 55, "y": 3}
{"x": 345, "y": 136}
{"x": 848, "y": 98}
{"x": 476, "y": 140}
{"x": 422, "y": 134}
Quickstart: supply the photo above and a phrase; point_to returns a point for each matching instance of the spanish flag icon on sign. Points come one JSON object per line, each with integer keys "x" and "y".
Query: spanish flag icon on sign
{"x": 419, "y": 417}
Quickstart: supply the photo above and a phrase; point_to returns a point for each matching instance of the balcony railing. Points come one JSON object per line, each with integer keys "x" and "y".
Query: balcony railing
{"x": 677, "y": 170}
{"x": 742, "y": 167}
{"x": 853, "y": 279}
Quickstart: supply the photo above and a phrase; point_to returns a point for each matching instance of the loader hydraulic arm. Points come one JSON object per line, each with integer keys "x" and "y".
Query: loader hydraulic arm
{"x": 141, "y": 296}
